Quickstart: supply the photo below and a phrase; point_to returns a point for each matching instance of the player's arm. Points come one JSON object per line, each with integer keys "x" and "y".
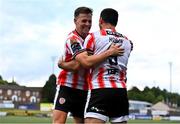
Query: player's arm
{"x": 73, "y": 45}
{"x": 72, "y": 65}
{"x": 89, "y": 61}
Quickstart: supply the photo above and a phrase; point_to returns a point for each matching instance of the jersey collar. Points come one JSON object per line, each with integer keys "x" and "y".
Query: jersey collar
{"x": 76, "y": 33}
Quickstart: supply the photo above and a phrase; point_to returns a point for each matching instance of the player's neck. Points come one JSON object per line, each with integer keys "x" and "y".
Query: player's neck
{"x": 83, "y": 36}
{"x": 108, "y": 26}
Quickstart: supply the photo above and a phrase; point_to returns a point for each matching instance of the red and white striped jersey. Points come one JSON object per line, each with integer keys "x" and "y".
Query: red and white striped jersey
{"x": 112, "y": 72}
{"x": 77, "y": 80}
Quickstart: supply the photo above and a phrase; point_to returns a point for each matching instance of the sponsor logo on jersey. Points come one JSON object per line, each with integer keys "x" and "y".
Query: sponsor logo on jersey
{"x": 114, "y": 33}
{"x": 116, "y": 40}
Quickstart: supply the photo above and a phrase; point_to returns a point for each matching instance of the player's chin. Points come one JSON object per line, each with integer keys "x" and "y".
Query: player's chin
{"x": 86, "y": 30}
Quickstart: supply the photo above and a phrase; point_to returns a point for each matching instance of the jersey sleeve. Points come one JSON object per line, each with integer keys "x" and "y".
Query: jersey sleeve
{"x": 89, "y": 43}
{"x": 75, "y": 46}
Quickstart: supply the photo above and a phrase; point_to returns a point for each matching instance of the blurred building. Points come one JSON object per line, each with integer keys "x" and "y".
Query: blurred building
{"x": 158, "y": 111}
{"x": 139, "y": 109}
{"x": 139, "y": 105}
{"x": 20, "y": 96}
{"x": 163, "y": 109}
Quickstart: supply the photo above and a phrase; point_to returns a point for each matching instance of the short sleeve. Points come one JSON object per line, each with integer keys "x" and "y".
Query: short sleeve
{"x": 75, "y": 46}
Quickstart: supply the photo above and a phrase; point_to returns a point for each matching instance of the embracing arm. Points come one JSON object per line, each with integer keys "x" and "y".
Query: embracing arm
{"x": 72, "y": 65}
{"x": 89, "y": 61}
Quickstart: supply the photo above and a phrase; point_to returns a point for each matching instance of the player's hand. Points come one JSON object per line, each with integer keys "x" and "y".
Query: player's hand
{"x": 61, "y": 61}
{"x": 116, "y": 50}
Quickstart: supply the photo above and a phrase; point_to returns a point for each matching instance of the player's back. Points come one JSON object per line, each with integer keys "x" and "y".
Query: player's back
{"x": 112, "y": 72}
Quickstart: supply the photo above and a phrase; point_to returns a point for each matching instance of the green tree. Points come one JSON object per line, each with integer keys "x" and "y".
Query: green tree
{"x": 154, "y": 95}
{"x": 49, "y": 90}
{"x": 1, "y": 77}
{"x": 158, "y": 99}
{"x": 2, "y": 81}
{"x": 135, "y": 94}
{"x": 149, "y": 96}
{"x": 6, "y": 82}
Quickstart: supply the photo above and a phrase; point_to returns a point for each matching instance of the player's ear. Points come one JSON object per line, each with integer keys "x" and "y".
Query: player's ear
{"x": 101, "y": 20}
{"x": 74, "y": 20}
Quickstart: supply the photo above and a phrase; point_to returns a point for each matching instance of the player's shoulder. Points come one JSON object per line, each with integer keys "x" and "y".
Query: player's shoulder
{"x": 92, "y": 35}
{"x": 128, "y": 40}
{"x": 96, "y": 33}
{"x": 118, "y": 34}
{"x": 72, "y": 38}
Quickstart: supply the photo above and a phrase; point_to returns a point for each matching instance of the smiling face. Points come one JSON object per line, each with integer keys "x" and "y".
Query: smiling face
{"x": 83, "y": 24}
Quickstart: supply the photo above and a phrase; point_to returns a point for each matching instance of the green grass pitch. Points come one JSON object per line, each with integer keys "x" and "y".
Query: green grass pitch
{"x": 47, "y": 120}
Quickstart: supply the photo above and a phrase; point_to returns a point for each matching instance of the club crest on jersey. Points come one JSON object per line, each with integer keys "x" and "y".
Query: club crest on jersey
{"x": 62, "y": 100}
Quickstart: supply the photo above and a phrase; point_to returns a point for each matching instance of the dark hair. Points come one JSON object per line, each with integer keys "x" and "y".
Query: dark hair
{"x": 84, "y": 10}
{"x": 109, "y": 15}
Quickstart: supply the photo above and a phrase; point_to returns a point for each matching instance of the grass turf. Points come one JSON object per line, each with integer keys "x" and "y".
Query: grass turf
{"x": 48, "y": 120}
